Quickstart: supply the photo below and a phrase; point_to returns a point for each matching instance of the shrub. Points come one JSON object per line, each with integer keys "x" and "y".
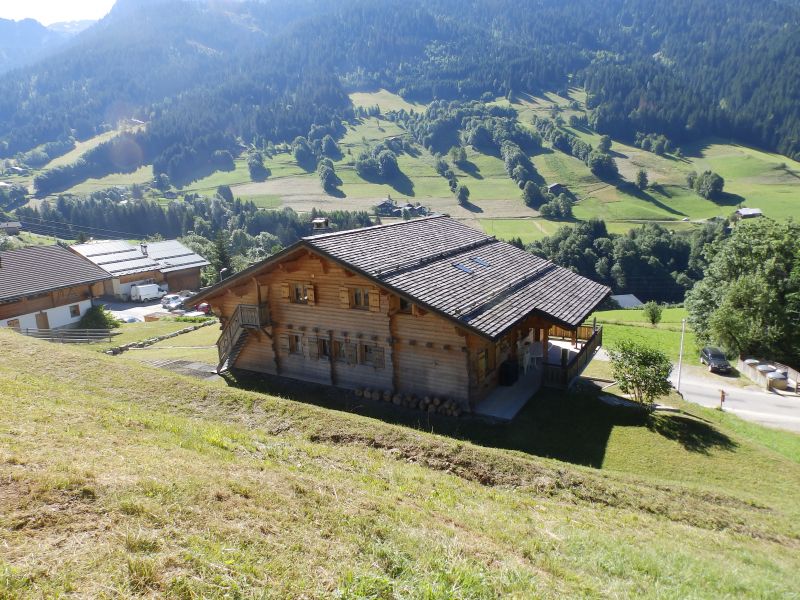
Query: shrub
{"x": 652, "y": 312}
{"x": 641, "y": 371}
{"x": 97, "y": 317}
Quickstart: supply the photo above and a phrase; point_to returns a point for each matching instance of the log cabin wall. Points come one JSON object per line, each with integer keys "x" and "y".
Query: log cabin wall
{"x": 46, "y": 301}
{"x": 326, "y": 340}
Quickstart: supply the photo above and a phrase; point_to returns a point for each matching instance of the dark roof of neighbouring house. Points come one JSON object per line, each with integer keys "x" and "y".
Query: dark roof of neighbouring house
{"x": 120, "y": 257}
{"x": 10, "y": 224}
{"x": 445, "y": 266}
{"x": 39, "y": 269}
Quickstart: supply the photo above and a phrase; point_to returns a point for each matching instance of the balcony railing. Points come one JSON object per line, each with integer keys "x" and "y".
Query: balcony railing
{"x": 561, "y": 375}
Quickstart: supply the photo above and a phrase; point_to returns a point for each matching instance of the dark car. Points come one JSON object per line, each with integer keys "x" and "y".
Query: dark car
{"x": 715, "y": 359}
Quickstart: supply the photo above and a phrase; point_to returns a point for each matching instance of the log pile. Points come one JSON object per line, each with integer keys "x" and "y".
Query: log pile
{"x": 429, "y": 404}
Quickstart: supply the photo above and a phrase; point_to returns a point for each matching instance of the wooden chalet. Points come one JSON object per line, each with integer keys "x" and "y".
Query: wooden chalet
{"x": 428, "y": 307}
{"x": 167, "y": 263}
{"x": 46, "y": 287}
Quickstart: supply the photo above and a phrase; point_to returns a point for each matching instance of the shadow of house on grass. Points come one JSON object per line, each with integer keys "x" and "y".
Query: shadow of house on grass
{"x": 694, "y": 435}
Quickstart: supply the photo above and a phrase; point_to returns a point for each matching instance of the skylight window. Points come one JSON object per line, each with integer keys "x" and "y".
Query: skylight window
{"x": 480, "y": 261}
{"x": 464, "y": 268}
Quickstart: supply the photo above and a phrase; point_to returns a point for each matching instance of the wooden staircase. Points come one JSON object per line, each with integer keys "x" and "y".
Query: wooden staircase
{"x": 236, "y": 331}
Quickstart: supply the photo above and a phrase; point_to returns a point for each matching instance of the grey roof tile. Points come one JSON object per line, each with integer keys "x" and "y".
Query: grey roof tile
{"x": 40, "y": 269}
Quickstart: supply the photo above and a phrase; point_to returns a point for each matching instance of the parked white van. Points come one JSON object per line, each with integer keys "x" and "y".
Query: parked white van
{"x": 145, "y": 292}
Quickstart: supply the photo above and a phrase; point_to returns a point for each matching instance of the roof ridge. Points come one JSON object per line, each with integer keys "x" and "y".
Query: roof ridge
{"x": 362, "y": 229}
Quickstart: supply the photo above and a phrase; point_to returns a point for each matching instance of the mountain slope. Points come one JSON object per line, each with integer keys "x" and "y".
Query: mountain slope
{"x": 22, "y": 42}
{"x": 120, "y": 479}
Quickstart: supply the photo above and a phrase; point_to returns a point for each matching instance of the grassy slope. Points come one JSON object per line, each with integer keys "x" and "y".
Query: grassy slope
{"x": 631, "y": 324}
{"x": 121, "y": 480}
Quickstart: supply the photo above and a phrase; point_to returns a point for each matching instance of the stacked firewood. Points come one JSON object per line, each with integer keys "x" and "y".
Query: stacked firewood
{"x": 430, "y": 404}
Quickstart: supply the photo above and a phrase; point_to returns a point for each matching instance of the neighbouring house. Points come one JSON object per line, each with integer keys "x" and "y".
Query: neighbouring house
{"x": 627, "y": 301}
{"x": 556, "y": 188}
{"x": 413, "y": 210}
{"x": 748, "y": 213}
{"x": 168, "y": 263}
{"x": 422, "y": 307}
{"x": 46, "y": 287}
{"x": 11, "y": 227}
{"x": 385, "y": 208}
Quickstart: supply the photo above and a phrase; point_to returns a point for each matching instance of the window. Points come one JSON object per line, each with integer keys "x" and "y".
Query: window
{"x": 359, "y": 298}
{"x": 338, "y": 351}
{"x": 75, "y": 311}
{"x": 405, "y": 306}
{"x": 324, "y": 347}
{"x": 295, "y": 344}
{"x": 13, "y": 323}
{"x": 367, "y": 354}
{"x": 299, "y": 293}
{"x": 464, "y": 268}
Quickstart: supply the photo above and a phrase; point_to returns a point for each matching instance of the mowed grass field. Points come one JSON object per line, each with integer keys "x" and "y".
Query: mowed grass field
{"x": 122, "y": 480}
{"x": 631, "y": 324}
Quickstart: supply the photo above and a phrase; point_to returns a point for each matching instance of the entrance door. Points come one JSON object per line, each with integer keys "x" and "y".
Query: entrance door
{"x": 42, "y": 322}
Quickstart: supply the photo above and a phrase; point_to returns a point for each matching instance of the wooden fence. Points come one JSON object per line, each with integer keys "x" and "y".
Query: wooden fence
{"x": 69, "y": 336}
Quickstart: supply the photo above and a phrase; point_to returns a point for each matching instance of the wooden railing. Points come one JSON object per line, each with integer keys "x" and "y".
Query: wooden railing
{"x": 561, "y": 375}
{"x": 584, "y": 333}
{"x": 69, "y": 336}
{"x": 246, "y": 316}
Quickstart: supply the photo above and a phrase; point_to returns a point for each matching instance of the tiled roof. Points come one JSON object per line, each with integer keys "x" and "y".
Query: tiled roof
{"x": 40, "y": 269}
{"x": 448, "y": 267}
{"x": 475, "y": 279}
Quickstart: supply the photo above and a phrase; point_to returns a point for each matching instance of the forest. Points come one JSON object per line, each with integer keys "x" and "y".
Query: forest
{"x": 206, "y": 77}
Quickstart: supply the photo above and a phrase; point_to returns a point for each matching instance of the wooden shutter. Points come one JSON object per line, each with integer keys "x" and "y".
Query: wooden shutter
{"x": 344, "y": 297}
{"x": 312, "y": 297}
{"x": 374, "y": 301}
{"x": 285, "y": 290}
{"x": 379, "y": 357}
{"x": 351, "y": 353}
{"x": 284, "y": 344}
{"x": 313, "y": 348}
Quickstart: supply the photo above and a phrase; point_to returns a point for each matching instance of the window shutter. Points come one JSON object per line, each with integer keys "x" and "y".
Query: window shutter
{"x": 313, "y": 348}
{"x": 284, "y": 344}
{"x": 379, "y": 357}
{"x": 351, "y": 353}
{"x": 312, "y": 297}
{"x": 374, "y": 301}
{"x": 285, "y": 290}
{"x": 344, "y": 297}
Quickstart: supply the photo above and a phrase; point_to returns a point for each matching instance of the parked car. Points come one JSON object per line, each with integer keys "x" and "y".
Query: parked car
{"x": 715, "y": 359}
{"x": 131, "y": 319}
{"x": 166, "y": 300}
{"x": 174, "y": 304}
{"x": 203, "y": 307}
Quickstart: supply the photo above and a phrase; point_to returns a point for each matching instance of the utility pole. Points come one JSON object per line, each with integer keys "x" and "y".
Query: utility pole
{"x": 680, "y": 355}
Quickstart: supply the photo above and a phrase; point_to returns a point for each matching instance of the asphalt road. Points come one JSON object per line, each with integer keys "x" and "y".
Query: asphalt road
{"x": 774, "y": 409}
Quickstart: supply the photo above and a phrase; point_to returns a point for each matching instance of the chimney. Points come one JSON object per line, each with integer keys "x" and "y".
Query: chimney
{"x": 320, "y": 225}
{"x": 143, "y": 248}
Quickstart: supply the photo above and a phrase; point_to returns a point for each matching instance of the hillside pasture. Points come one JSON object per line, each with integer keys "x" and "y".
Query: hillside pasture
{"x": 126, "y": 481}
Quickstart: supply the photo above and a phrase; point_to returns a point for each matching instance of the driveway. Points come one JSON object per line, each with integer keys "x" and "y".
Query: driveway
{"x": 131, "y": 309}
{"x": 748, "y": 401}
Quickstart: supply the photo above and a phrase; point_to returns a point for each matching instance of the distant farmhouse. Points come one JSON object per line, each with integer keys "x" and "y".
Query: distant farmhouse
{"x": 748, "y": 213}
{"x": 556, "y": 188}
{"x": 11, "y": 227}
{"x": 46, "y": 287}
{"x": 169, "y": 263}
{"x": 390, "y": 208}
{"x": 427, "y": 307}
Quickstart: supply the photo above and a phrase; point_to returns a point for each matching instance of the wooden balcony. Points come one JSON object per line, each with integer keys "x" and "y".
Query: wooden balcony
{"x": 563, "y": 363}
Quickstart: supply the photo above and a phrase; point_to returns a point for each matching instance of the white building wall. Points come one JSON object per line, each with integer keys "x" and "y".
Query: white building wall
{"x": 58, "y": 316}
